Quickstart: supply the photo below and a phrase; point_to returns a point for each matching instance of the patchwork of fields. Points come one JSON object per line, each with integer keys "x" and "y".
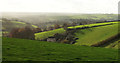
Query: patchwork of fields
{"x": 43, "y": 35}
{"x": 33, "y": 50}
{"x": 13, "y": 24}
{"x": 88, "y": 36}
{"x": 7, "y": 26}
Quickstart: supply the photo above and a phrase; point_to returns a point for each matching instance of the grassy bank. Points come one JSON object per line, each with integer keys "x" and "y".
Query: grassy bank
{"x": 91, "y": 36}
{"x": 32, "y": 50}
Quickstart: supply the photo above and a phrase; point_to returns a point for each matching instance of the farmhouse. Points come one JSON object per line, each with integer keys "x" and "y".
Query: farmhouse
{"x": 51, "y": 39}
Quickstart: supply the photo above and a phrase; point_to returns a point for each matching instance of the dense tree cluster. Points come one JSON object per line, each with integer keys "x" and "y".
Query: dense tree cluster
{"x": 67, "y": 37}
{"x": 24, "y": 33}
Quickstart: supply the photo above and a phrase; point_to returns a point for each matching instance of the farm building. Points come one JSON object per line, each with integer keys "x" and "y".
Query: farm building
{"x": 51, "y": 39}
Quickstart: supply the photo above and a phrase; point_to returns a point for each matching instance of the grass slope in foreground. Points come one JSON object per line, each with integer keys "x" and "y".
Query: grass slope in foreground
{"x": 91, "y": 36}
{"x": 32, "y": 50}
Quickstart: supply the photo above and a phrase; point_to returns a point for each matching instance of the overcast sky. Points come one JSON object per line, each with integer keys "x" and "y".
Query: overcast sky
{"x": 69, "y": 6}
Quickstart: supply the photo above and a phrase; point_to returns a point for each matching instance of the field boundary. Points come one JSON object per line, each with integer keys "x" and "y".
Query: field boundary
{"x": 107, "y": 41}
{"x": 89, "y": 27}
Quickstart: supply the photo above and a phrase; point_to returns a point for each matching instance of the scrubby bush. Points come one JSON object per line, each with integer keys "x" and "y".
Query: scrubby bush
{"x": 37, "y": 30}
{"x": 65, "y": 41}
{"x": 56, "y": 26}
{"x": 24, "y": 33}
{"x": 65, "y": 25}
{"x": 50, "y": 28}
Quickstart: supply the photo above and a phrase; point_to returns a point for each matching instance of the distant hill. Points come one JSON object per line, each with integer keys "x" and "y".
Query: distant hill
{"x": 36, "y": 18}
{"x": 8, "y": 25}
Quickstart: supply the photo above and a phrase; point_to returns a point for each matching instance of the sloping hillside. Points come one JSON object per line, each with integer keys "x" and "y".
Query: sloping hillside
{"x": 32, "y": 50}
{"x": 115, "y": 45}
{"x": 94, "y": 35}
{"x": 46, "y": 34}
{"x": 7, "y": 25}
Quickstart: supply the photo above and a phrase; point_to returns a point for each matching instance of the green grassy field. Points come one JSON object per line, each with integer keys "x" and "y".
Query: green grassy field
{"x": 32, "y": 50}
{"x": 91, "y": 36}
{"x": 46, "y": 34}
{"x": 16, "y": 24}
{"x": 90, "y": 25}
{"x": 21, "y": 24}
{"x": 9, "y": 25}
